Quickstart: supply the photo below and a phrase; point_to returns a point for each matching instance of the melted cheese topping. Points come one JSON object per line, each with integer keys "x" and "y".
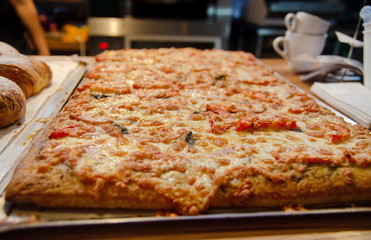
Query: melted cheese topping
{"x": 185, "y": 122}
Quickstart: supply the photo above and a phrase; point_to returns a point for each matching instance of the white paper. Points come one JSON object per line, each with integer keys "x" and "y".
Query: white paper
{"x": 349, "y": 40}
{"x": 353, "y": 99}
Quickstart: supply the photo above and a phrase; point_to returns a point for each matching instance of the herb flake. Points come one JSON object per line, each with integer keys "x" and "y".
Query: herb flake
{"x": 124, "y": 130}
{"x": 220, "y": 77}
{"x": 297, "y": 130}
{"x": 99, "y": 96}
{"x": 189, "y": 139}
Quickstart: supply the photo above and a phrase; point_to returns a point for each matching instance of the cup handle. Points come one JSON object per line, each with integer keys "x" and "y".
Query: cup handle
{"x": 290, "y": 21}
{"x": 276, "y": 46}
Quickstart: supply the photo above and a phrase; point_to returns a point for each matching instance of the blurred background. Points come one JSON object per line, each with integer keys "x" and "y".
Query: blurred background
{"x": 87, "y": 27}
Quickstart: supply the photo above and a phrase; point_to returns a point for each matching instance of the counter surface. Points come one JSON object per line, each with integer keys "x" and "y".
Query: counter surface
{"x": 280, "y": 66}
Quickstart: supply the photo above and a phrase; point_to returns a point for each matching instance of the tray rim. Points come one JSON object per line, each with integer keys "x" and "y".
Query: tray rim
{"x": 216, "y": 217}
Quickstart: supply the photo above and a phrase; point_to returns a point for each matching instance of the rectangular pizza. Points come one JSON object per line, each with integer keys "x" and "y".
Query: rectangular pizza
{"x": 184, "y": 130}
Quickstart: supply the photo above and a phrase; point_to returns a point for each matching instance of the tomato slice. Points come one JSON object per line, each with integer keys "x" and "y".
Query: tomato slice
{"x": 61, "y": 133}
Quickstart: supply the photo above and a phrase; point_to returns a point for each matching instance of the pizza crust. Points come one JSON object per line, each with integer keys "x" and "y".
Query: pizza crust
{"x": 60, "y": 188}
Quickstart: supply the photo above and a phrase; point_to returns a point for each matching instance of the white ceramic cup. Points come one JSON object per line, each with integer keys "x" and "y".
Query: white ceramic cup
{"x": 367, "y": 55}
{"x": 306, "y": 23}
{"x": 293, "y": 47}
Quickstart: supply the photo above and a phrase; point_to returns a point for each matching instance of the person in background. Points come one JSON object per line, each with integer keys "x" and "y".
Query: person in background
{"x": 20, "y": 27}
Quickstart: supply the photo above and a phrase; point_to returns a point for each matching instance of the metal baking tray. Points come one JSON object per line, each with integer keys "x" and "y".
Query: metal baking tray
{"x": 16, "y": 220}
{"x": 116, "y": 223}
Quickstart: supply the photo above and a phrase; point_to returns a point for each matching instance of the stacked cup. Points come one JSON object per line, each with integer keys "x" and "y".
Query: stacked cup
{"x": 304, "y": 39}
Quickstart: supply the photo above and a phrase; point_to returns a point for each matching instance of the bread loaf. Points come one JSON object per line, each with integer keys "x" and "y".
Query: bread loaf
{"x": 31, "y": 74}
{"x": 12, "y": 102}
{"x": 44, "y": 74}
{"x": 7, "y": 49}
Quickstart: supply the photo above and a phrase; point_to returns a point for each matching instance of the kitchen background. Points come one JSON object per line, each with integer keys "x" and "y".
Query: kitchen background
{"x": 87, "y": 27}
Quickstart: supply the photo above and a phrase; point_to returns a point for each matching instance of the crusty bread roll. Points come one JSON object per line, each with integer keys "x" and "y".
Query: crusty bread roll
{"x": 7, "y": 49}
{"x": 12, "y": 102}
{"x": 31, "y": 74}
